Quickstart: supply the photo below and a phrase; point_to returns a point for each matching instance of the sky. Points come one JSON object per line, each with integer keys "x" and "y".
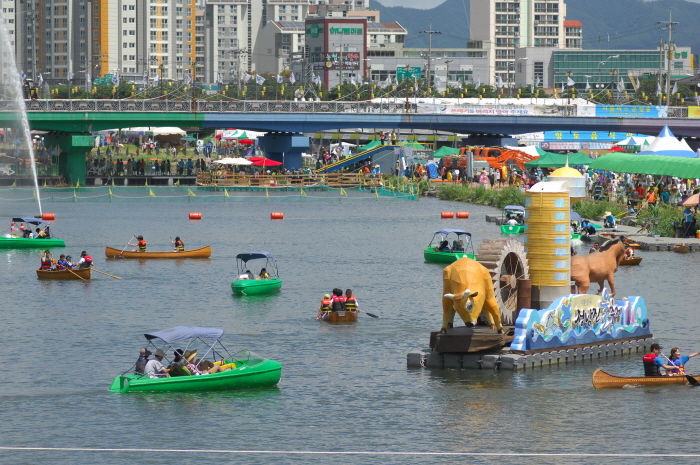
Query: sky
{"x": 422, "y": 4}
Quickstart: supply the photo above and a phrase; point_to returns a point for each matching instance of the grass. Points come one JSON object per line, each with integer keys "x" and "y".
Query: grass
{"x": 480, "y": 195}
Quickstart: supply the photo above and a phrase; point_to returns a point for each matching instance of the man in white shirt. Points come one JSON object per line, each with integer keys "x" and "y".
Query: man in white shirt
{"x": 155, "y": 367}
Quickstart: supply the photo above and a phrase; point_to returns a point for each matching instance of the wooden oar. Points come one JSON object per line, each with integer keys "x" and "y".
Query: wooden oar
{"x": 369, "y": 314}
{"x": 127, "y": 245}
{"x": 111, "y": 276}
{"x": 76, "y": 274}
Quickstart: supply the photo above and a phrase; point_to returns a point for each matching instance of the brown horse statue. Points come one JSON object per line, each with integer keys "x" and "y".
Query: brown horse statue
{"x": 597, "y": 267}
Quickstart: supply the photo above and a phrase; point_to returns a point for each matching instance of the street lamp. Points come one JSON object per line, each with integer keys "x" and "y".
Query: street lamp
{"x": 613, "y": 73}
{"x": 447, "y": 74}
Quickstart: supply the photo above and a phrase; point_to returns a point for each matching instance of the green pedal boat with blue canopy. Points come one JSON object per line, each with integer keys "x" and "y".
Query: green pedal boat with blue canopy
{"x": 266, "y": 282}
{"x": 17, "y": 241}
{"x": 513, "y": 219}
{"x": 449, "y": 245}
{"x": 244, "y": 369}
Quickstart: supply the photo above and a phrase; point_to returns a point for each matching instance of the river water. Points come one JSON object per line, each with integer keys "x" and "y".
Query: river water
{"x": 346, "y": 395}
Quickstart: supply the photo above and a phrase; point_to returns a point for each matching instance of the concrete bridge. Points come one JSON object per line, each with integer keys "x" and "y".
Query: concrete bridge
{"x": 70, "y": 122}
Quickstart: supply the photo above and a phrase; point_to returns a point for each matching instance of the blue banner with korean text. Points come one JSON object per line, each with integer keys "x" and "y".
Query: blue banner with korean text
{"x": 625, "y": 111}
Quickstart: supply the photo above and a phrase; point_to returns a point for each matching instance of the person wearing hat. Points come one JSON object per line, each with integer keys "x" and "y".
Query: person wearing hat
{"x": 140, "y": 367}
{"x": 85, "y": 260}
{"x": 141, "y": 243}
{"x": 653, "y": 363}
{"x": 325, "y": 309}
{"x": 608, "y": 220}
{"x": 155, "y": 368}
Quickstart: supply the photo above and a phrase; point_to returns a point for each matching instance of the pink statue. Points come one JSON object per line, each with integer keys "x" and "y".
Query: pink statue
{"x": 598, "y": 266}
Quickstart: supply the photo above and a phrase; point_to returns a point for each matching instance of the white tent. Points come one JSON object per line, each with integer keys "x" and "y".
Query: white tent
{"x": 667, "y": 144}
{"x": 233, "y": 161}
{"x": 162, "y": 131}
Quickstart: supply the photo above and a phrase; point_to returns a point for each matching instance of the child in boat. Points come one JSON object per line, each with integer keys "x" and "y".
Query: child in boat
{"x": 61, "y": 264}
{"x": 69, "y": 262}
{"x": 325, "y": 308}
{"x": 264, "y": 274}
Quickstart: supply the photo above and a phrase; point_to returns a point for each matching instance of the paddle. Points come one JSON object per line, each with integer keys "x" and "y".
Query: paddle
{"x": 111, "y": 276}
{"x": 693, "y": 382}
{"x": 76, "y": 274}
{"x": 127, "y": 245}
{"x": 368, "y": 314}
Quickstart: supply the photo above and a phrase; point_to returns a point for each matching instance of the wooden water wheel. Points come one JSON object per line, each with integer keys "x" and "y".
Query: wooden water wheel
{"x": 506, "y": 260}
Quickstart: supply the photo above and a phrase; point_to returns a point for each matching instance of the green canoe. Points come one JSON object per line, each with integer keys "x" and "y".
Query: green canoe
{"x": 244, "y": 369}
{"x": 449, "y": 245}
{"x": 23, "y": 243}
{"x": 268, "y": 280}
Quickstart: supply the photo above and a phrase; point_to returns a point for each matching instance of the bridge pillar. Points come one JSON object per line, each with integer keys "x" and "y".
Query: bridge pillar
{"x": 284, "y": 147}
{"x": 73, "y": 158}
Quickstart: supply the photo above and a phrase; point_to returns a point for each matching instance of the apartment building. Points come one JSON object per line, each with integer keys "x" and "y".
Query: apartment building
{"x": 506, "y": 25}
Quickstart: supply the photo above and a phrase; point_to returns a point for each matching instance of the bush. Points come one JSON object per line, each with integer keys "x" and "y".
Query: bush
{"x": 667, "y": 214}
{"x": 592, "y": 209}
{"x": 495, "y": 198}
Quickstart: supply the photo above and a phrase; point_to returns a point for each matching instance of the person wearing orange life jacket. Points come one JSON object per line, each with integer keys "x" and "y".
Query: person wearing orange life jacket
{"x": 179, "y": 245}
{"x": 678, "y": 361}
{"x": 85, "y": 260}
{"x": 141, "y": 243}
{"x": 325, "y": 308}
{"x": 653, "y": 363}
{"x": 350, "y": 301}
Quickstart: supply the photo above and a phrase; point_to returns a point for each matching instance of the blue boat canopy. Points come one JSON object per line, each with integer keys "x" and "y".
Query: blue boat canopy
{"x": 180, "y": 333}
{"x": 456, "y": 231}
{"x": 573, "y": 216}
{"x": 30, "y": 220}
{"x": 517, "y": 208}
{"x": 253, "y": 255}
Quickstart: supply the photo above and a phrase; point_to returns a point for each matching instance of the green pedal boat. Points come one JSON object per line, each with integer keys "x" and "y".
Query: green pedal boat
{"x": 241, "y": 370}
{"x": 513, "y": 219}
{"x": 266, "y": 282}
{"x": 449, "y": 245}
{"x": 15, "y": 239}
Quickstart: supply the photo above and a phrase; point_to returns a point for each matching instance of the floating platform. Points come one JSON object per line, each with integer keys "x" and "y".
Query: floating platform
{"x": 468, "y": 340}
{"x": 506, "y": 360}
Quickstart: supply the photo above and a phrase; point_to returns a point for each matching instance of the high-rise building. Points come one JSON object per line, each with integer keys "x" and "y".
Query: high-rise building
{"x": 501, "y": 26}
{"x": 10, "y": 20}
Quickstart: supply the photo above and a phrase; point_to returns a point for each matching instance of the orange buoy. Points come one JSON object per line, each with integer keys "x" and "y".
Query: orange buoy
{"x": 447, "y": 215}
{"x": 195, "y": 216}
{"x": 462, "y": 214}
{"x": 276, "y": 216}
{"x": 48, "y": 216}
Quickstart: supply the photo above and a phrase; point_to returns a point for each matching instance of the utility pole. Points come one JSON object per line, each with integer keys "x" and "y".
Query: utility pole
{"x": 661, "y": 64}
{"x": 670, "y": 48}
{"x": 237, "y": 55}
{"x": 430, "y": 33}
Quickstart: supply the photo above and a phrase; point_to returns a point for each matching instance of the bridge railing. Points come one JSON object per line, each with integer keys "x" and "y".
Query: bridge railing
{"x": 207, "y": 106}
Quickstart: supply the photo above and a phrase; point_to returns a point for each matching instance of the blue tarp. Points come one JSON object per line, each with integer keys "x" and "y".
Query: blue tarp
{"x": 30, "y": 220}
{"x": 432, "y": 171}
{"x": 253, "y": 255}
{"x": 180, "y": 333}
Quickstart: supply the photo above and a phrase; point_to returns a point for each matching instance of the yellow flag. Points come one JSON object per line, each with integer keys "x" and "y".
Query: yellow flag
{"x": 110, "y": 191}
{"x": 14, "y": 184}
{"x": 44, "y": 183}
{"x": 112, "y": 182}
{"x": 225, "y": 193}
{"x": 301, "y": 191}
{"x": 176, "y": 183}
{"x": 189, "y": 192}
{"x": 150, "y": 192}
{"x": 77, "y": 184}
{"x": 266, "y": 194}
{"x": 376, "y": 192}
{"x": 74, "y": 195}
{"x": 146, "y": 183}
{"x": 342, "y": 192}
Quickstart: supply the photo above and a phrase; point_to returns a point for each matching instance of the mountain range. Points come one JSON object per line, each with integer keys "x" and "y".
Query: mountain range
{"x": 607, "y": 24}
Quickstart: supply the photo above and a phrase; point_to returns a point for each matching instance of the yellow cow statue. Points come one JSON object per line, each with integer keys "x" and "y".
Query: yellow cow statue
{"x": 467, "y": 290}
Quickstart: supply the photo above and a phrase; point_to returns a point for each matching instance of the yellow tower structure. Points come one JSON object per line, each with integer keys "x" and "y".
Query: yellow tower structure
{"x": 547, "y": 241}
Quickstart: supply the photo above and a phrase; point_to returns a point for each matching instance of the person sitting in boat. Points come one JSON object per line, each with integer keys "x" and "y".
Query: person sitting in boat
{"x": 85, "y": 260}
{"x": 653, "y": 363}
{"x": 325, "y": 308}
{"x": 444, "y": 246}
{"x": 141, "y": 243}
{"x": 351, "y": 304}
{"x": 337, "y": 300}
{"x": 27, "y": 233}
{"x": 155, "y": 368}
{"x": 458, "y": 246}
{"x": 595, "y": 248}
{"x": 200, "y": 367}
{"x": 47, "y": 232}
{"x": 511, "y": 221}
{"x": 609, "y": 220}
{"x": 140, "y": 367}
{"x": 40, "y": 234}
{"x": 178, "y": 365}
{"x": 61, "y": 263}
{"x": 629, "y": 252}
{"x": 264, "y": 274}
{"x": 46, "y": 261}
{"x": 179, "y": 245}
{"x": 69, "y": 261}
{"x": 679, "y": 361}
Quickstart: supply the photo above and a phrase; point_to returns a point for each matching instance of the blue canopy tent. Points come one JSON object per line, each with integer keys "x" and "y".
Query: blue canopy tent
{"x": 181, "y": 333}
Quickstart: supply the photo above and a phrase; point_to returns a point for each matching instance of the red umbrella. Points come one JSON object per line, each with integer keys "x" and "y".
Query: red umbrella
{"x": 256, "y": 158}
{"x": 246, "y": 142}
{"x": 616, "y": 148}
{"x": 266, "y": 162}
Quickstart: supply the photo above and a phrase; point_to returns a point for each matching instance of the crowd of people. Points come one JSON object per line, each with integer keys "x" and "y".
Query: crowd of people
{"x": 64, "y": 262}
{"x": 183, "y": 364}
{"x": 337, "y": 302}
{"x": 141, "y": 167}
